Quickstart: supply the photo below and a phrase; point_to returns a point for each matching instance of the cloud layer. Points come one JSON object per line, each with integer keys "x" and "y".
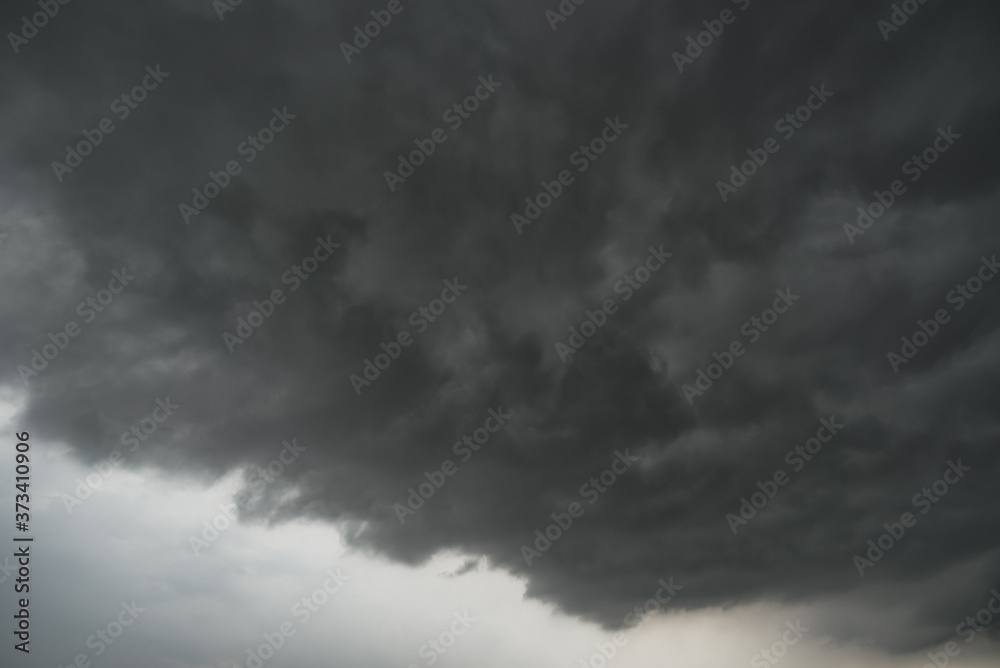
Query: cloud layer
{"x": 323, "y": 177}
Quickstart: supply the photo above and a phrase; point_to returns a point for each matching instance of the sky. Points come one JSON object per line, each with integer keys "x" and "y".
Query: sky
{"x": 493, "y": 324}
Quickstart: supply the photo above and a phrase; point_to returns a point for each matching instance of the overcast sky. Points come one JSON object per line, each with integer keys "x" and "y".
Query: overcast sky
{"x": 706, "y": 292}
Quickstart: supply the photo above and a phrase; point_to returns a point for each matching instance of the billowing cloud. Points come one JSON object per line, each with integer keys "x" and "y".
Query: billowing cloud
{"x": 484, "y": 299}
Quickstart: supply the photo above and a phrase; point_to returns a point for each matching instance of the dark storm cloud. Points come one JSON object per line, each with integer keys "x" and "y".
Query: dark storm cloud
{"x": 323, "y": 177}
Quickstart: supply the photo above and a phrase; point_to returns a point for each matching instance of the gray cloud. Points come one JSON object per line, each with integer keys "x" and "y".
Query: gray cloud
{"x": 495, "y": 346}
